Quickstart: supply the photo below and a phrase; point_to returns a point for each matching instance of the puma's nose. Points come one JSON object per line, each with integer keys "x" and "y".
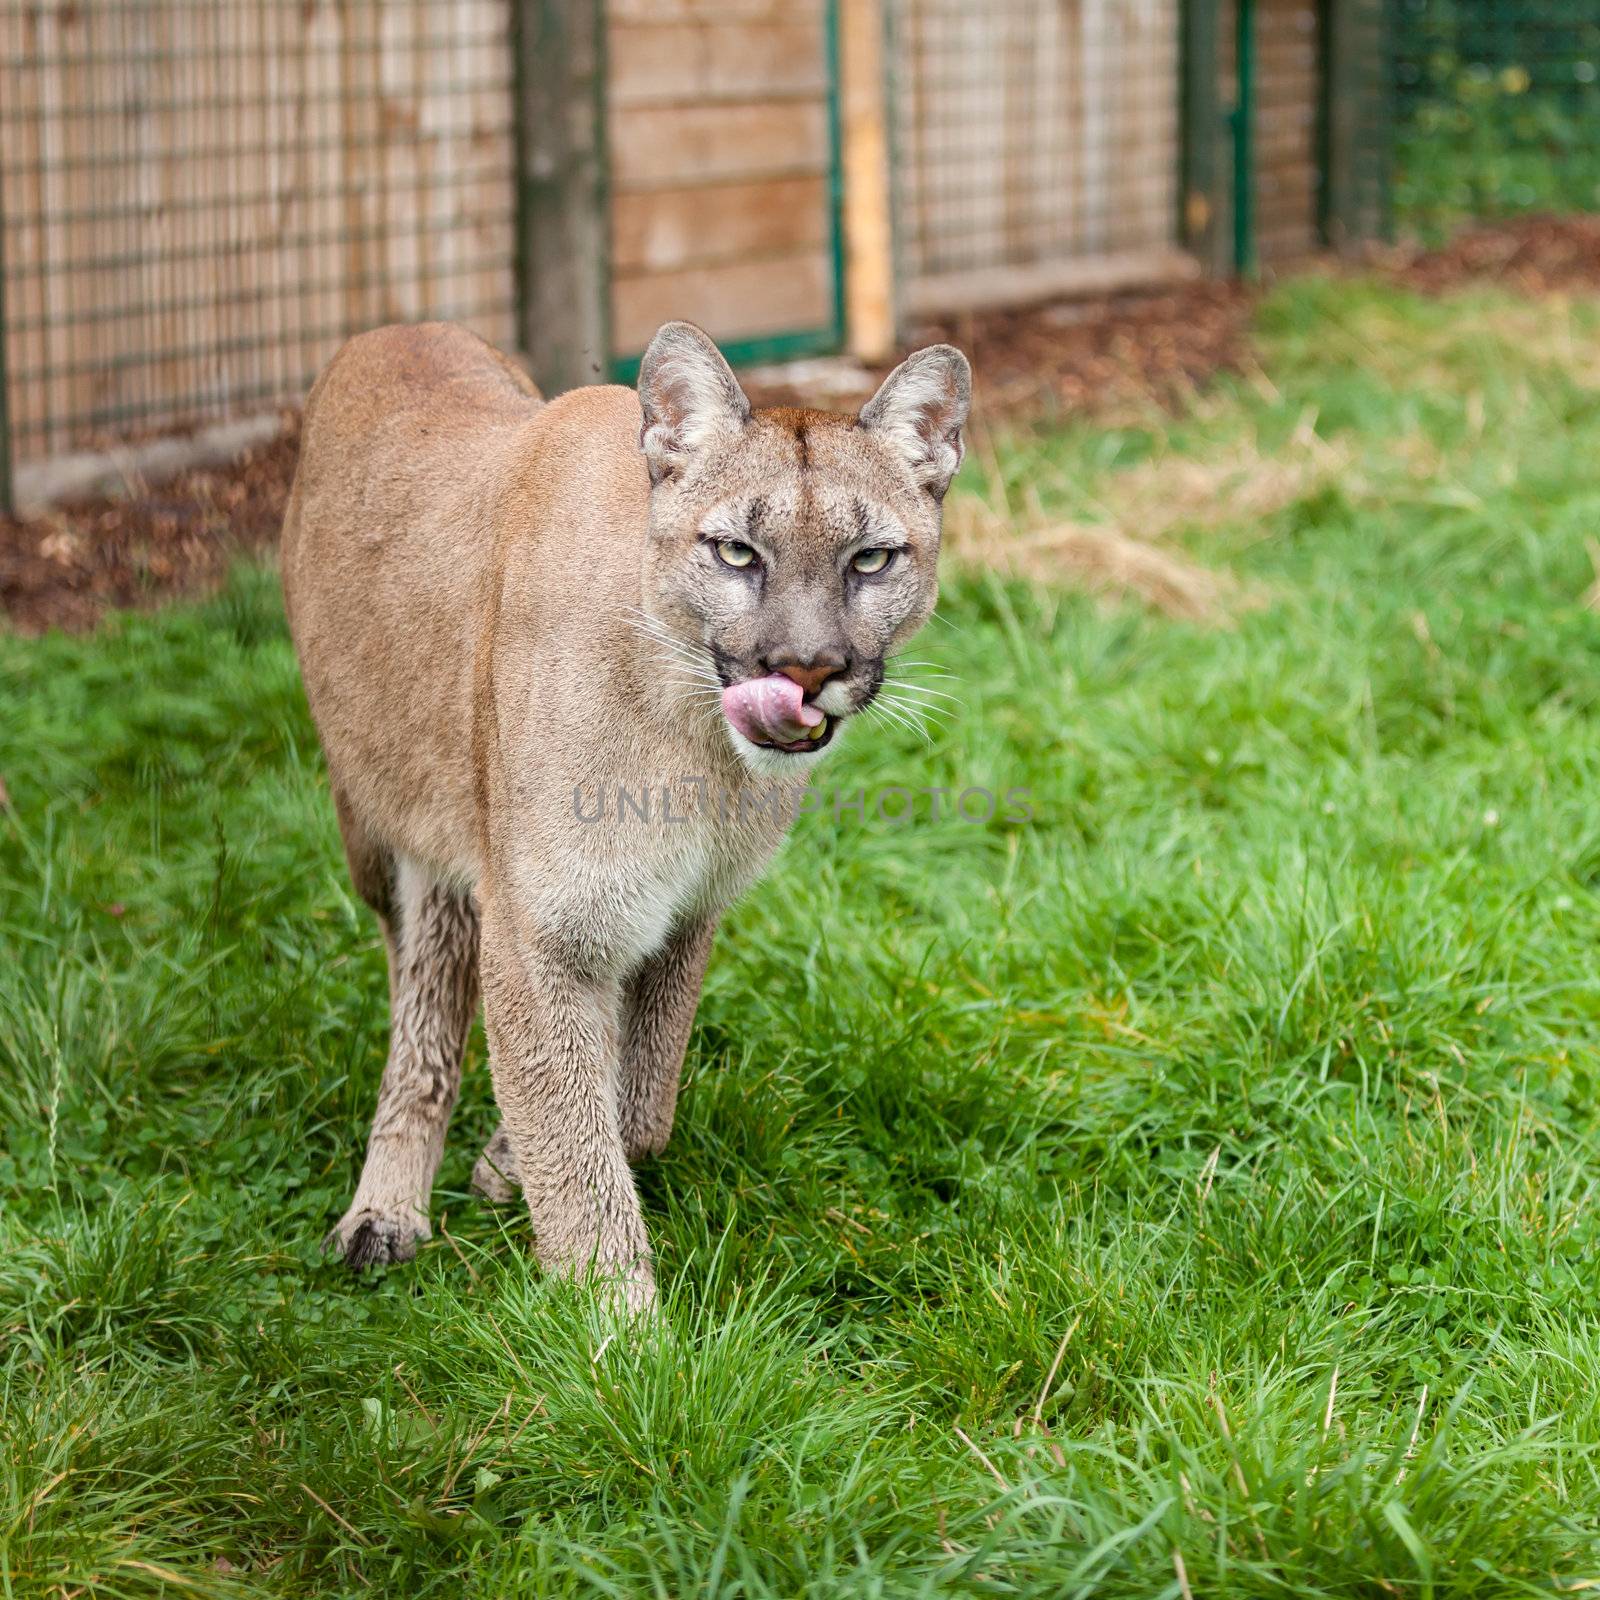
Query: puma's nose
{"x": 812, "y": 674}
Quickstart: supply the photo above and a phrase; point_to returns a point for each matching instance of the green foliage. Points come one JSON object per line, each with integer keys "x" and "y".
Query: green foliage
{"x": 1497, "y": 110}
{"x": 1193, "y": 1187}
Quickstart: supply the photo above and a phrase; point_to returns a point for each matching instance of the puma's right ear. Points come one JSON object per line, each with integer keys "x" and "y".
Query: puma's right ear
{"x": 919, "y": 412}
{"x": 690, "y": 397}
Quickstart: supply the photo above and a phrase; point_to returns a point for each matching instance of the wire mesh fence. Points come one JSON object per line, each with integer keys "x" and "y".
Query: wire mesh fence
{"x": 1036, "y": 145}
{"x": 1496, "y": 108}
{"x": 200, "y": 201}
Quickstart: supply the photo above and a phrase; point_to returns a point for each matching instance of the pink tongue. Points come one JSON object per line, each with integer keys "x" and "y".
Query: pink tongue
{"x": 770, "y": 710}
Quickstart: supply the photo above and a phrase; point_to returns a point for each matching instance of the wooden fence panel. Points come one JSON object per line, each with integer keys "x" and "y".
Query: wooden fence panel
{"x": 720, "y": 148}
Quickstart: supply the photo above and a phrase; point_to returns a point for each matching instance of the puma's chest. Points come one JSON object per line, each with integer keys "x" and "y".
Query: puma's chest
{"x": 649, "y": 858}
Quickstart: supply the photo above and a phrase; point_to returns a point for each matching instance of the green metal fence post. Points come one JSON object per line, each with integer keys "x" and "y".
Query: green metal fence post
{"x": 835, "y": 171}
{"x": 1244, "y": 154}
{"x": 562, "y": 224}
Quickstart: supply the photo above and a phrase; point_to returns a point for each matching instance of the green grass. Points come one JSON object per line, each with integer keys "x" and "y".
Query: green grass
{"x": 1195, "y": 1185}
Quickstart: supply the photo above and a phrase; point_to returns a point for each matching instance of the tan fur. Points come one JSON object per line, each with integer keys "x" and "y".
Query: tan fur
{"x": 501, "y": 604}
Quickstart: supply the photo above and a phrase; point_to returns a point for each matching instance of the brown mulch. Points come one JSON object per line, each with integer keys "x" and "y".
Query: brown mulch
{"x": 68, "y": 567}
{"x": 1532, "y": 255}
{"x": 1086, "y": 355}
{"x": 1081, "y": 355}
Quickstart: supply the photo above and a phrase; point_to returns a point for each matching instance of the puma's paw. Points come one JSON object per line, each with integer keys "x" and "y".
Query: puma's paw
{"x": 495, "y": 1176}
{"x": 368, "y": 1238}
{"x": 623, "y": 1295}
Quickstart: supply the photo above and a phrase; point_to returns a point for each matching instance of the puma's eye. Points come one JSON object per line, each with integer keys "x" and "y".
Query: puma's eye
{"x": 870, "y": 561}
{"x": 734, "y": 553}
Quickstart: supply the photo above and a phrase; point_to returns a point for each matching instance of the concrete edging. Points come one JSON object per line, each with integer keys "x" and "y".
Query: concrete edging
{"x": 38, "y": 485}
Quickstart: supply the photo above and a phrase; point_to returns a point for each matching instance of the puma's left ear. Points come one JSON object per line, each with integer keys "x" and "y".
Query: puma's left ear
{"x": 689, "y": 396}
{"x": 919, "y": 412}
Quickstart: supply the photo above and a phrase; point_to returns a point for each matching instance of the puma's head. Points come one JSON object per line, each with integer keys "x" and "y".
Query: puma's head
{"x": 792, "y": 552}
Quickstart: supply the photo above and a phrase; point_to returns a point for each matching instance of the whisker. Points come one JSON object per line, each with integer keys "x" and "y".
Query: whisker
{"x": 901, "y": 686}
{"x": 698, "y": 685}
{"x": 945, "y": 703}
{"x": 681, "y": 655}
{"x": 643, "y": 622}
{"x": 923, "y": 724}
{"x": 918, "y": 708}
{"x": 901, "y": 718}
{"x": 689, "y": 670}
{"x": 915, "y": 672}
{"x": 676, "y": 646}
{"x": 921, "y": 691}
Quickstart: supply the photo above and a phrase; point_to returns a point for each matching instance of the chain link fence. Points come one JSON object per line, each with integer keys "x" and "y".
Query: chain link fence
{"x": 199, "y": 201}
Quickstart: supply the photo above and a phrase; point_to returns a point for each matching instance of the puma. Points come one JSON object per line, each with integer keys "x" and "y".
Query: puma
{"x": 505, "y": 608}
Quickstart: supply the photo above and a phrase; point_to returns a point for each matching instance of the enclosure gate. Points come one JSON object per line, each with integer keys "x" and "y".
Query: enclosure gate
{"x": 723, "y": 151}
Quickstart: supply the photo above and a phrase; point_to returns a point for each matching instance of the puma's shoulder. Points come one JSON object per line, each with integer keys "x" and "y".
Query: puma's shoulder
{"x": 579, "y": 468}
{"x": 404, "y": 435}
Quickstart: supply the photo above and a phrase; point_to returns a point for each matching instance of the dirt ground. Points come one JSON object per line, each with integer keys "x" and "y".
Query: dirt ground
{"x": 64, "y": 570}
{"x": 68, "y": 567}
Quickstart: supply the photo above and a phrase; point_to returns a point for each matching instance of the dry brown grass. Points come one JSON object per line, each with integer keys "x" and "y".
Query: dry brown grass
{"x": 1512, "y": 336}
{"x": 1124, "y": 544}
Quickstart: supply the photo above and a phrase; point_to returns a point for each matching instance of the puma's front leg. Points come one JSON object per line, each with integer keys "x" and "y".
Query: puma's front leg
{"x": 553, "y": 1032}
{"x": 658, "y": 1008}
{"x": 658, "y": 1012}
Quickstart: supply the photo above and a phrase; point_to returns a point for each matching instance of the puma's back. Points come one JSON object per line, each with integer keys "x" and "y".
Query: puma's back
{"x": 424, "y": 453}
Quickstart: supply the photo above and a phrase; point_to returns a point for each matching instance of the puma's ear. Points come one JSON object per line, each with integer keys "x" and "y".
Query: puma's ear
{"x": 690, "y": 397}
{"x": 919, "y": 412}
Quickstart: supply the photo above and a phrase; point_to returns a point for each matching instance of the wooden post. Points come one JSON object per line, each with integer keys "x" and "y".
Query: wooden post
{"x": 1204, "y": 205}
{"x": 866, "y": 215}
{"x": 1358, "y": 132}
{"x": 562, "y": 232}
{"x": 7, "y": 494}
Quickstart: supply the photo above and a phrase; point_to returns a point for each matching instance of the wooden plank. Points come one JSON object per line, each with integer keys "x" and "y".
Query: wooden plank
{"x": 1285, "y": 131}
{"x": 658, "y": 230}
{"x": 867, "y": 218}
{"x": 701, "y": 143}
{"x": 704, "y": 11}
{"x": 687, "y": 63}
{"x": 993, "y": 287}
{"x": 741, "y": 300}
